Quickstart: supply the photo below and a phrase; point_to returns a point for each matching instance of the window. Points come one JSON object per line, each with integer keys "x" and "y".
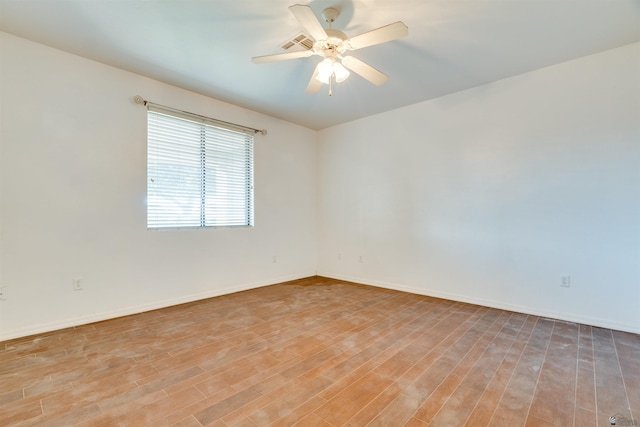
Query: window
{"x": 199, "y": 172}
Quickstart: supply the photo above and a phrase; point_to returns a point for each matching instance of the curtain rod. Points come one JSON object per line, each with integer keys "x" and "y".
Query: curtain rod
{"x": 140, "y": 100}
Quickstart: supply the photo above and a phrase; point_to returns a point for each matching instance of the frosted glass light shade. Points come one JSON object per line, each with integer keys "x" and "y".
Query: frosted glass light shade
{"x": 325, "y": 70}
{"x": 329, "y": 68}
{"x": 340, "y": 72}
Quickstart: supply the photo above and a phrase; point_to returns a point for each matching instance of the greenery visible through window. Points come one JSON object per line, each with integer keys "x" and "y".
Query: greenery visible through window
{"x": 198, "y": 174}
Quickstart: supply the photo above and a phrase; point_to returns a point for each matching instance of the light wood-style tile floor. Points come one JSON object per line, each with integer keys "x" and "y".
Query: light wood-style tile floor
{"x": 321, "y": 352}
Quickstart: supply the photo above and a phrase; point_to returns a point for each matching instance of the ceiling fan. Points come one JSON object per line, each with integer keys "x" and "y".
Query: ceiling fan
{"x": 332, "y": 44}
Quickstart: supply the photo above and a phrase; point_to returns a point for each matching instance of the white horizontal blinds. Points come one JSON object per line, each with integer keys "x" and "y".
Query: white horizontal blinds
{"x": 228, "y": 178}
{"x": 173, "y": 172}
{"x": 199, "y": 175}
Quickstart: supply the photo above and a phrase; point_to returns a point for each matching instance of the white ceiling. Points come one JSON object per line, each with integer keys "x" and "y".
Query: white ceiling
{"x": 206, "y": 45}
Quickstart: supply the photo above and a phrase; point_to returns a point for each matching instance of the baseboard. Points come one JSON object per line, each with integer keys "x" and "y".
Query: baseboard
{"x": 99, "y": 317}
{"x": 586, "y": 320}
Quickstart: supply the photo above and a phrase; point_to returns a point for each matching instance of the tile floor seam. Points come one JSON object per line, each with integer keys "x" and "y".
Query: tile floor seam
{"x": 489, "y": 381}
{"x": 413, "y": 415}
{"x": 317, "y": 395}
{"x": 575, "y": 386}
{"x": 390, "y": 327}
{"x": 369, "y": 360}
{"x": 540, "y": 371}
{"x": 371, "y": 401}
{"x": 595, "y": 388}
{"x": 326, "y": 420}
{"x": 495, "y": 334}
{"x": 195, "y": 419}
{"x": 524, "y": 347}
{"x": 626, "y": 394}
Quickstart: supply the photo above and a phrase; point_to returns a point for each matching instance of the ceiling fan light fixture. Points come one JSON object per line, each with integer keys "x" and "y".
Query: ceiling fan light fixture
{"x": 325, "y": 70}
{"x": 340, "y": 72}
{"x": 330, "y": 68}
{"x": 323, "y": 79}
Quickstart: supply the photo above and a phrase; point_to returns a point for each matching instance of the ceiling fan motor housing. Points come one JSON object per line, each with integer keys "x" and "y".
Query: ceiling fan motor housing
{"x": 333, "y": 45}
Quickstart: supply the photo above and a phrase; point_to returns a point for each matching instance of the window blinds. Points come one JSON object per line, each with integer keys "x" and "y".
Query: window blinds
{"x": 199, "y": 174}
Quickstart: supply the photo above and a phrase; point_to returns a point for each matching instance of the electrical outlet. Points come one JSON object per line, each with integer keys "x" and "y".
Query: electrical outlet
{"x": 4, "y": 290}
{"x": 274, "y": 259}
{"x": 360, "y": 259}
{"x": 77, "y": 285}
{"x": 565, "y": 281}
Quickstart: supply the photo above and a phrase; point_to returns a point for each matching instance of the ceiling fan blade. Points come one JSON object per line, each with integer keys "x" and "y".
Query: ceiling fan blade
{"x": 379, "y": 35}
{"x": 281, "y": 56}
{"x": 305, "y": 16}
{"x": 314, "y": 84}
{"x": 365, "y": 70}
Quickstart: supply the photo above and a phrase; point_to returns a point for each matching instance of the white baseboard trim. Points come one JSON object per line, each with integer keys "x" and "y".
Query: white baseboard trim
{"x": 99, "y": 317}
{"x": 575, "y": 318}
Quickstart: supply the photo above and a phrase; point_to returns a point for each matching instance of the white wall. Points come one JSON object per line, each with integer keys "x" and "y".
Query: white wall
{"x": 72, "y": 198}
{"x": 492, "y": 194}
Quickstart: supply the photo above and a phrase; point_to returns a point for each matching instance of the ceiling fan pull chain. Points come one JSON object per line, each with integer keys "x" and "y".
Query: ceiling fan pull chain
{"x": 331, "y": 85}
